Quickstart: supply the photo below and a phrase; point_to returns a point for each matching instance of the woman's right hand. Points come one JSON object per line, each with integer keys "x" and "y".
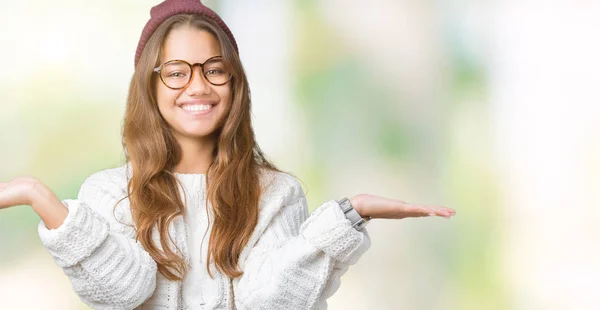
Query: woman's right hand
{"x": 31, "y": 191}
{"x": 19, "y": 191}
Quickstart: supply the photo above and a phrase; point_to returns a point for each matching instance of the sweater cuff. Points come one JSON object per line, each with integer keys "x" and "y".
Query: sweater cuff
{"x": 329, "y": 230}
{"x": 81, "y": 233}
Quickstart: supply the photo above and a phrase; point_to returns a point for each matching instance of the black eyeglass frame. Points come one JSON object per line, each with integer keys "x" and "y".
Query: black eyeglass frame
{"x": 159, "y": 68}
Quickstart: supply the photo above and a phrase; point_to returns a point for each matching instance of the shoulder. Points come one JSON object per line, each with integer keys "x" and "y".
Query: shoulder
{"x": 279, "y": 184}
{"x": 108, "y": 184}
{"x": 283, "y": 201}
{"x": 105, "y": 192}
{"x": 110, "y": 179}
{"x": 283, "y": 209}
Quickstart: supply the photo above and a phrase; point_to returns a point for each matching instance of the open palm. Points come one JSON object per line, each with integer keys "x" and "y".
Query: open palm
{"x": 17, "y": 192}
{"x": 380, "y": 207}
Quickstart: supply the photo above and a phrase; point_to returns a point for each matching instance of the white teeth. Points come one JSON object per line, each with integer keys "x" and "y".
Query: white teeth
{"x": 196, "y": 108}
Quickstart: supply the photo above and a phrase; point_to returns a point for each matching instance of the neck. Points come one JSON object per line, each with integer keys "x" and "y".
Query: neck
{"x": 197, "y": 155}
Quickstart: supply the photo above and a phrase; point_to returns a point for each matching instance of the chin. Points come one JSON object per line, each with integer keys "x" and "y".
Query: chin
{"x": 199, "y": 134}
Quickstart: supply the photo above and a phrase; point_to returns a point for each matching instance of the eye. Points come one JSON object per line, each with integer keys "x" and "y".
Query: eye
{"x": 176, "y": 74}
{"x": 214, "y": 71}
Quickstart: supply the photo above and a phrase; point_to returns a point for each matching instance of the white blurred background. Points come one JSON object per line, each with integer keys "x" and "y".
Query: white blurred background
{"x": 489, "y": 107}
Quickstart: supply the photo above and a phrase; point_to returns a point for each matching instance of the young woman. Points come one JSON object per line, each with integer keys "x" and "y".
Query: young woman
{"x": 197, "y": 218}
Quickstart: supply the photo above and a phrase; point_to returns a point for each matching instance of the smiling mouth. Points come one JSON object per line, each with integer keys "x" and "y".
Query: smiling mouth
{"x": 197, "y": 109}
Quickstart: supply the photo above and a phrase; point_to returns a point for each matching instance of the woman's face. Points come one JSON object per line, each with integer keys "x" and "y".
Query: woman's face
{"x": 184, "y": 109}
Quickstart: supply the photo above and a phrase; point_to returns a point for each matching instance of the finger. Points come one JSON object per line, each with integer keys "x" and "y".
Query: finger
{"x": 415, "y": 210}
{"x": 3, "y": 185}
{"x": 421, "y": 209}
{"x": 400, "y": 209}
{"x": 405, "y": 209}
{"x": 445, "y": 212}
{"x": 437, "y": 211}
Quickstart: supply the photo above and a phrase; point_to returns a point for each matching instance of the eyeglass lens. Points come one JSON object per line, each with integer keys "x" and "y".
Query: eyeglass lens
{"x": 176, "y": 74}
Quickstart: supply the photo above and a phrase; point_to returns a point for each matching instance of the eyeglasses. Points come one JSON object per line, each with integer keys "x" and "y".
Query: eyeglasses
{"x": 177, "y": 74}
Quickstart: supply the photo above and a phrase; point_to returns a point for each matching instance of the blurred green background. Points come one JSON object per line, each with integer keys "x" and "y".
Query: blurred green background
{"x": 488, "y": 107}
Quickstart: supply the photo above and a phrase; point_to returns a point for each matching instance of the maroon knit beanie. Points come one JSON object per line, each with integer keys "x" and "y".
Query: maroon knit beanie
{"x": 168, "y": 8}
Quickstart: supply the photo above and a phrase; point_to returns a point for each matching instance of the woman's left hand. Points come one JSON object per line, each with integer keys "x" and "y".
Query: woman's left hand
{"x": 379, "y": 207}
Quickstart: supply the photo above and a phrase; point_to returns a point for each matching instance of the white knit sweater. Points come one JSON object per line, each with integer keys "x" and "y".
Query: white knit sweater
{"x": 292, "y": 261}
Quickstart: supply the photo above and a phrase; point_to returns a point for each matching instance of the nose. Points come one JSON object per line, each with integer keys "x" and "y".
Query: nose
{"x": 198, "y": 84}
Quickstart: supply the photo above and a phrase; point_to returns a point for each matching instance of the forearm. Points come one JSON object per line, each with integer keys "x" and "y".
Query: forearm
{"x": 48, "y": 206}
{"x": 299, "y": 265}
{"x": 291, "y": 277}
{"x": 108, "y": 270}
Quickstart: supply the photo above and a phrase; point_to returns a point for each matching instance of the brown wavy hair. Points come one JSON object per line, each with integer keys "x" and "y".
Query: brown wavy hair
{"x": 233, "y": 178}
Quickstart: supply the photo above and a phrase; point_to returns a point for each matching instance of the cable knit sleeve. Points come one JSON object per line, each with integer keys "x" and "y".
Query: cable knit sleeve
{"x": 298, "y": 260}
{"x": 107, "y": 267}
